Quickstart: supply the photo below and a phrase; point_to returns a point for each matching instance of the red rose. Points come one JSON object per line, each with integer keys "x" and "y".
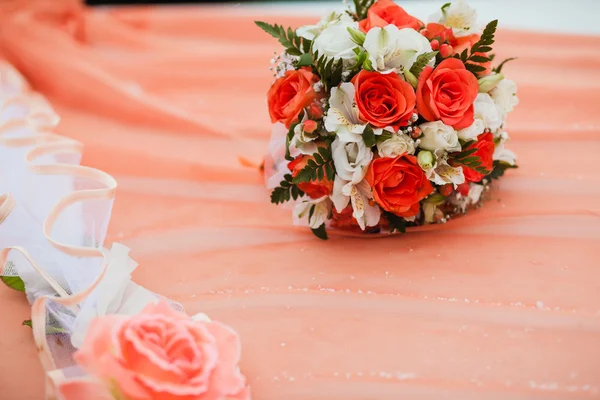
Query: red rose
{"x": 290, "y": 94}
{"x": 447, "y": 94}
{"x": 384, "y": 99}
{"x": 485, "y": 151}
{"x": 313, "y": 189}
{"x": 386, "y": 12}
{"x": 399, "y": 184}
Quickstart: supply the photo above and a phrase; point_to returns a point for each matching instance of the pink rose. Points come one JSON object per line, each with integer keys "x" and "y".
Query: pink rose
{"x": 162, "y": 354}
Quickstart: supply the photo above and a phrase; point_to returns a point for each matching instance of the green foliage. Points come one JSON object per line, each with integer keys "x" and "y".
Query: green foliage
{"x": 305, "y": 60}
{"x": 471, "y": 59}
{"x": 321, "y": 231}
{"x": 14, "y": 282}
{"x": 288, "y": 139}
{"x": 285, "y": 191}
{"x": 422, "y": 62}
{"x": 498, "y": 69}
{"x": 445, "y": 6}
{"x": 317, "y": 169}
{"x": 293, "y": 44}
{"x": 396, "y": 223}
{"x": 362, "y": 8}
{"x": 468, "y": 159}
{"x": 500, "y": 168}
{"x": 329, "y": 69}
{"x": 369, "y": 136}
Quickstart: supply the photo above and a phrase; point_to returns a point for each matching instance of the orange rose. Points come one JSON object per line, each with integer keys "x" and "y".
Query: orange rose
{"x": 399, "y": 184}
{"x": 290, "y": 94}
{"x": 485, "y": 151}
{"x": 386, "y": 12}
{"x": 447, "y": 94}
{"x": 313, "y": 189}
{"x": 384, "y": 99}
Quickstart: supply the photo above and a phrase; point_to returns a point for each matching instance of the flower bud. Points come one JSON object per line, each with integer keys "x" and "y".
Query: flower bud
{"x": 435, "y": 45}
{"x": 309, "y": 126}
{"x": 486, "y": 84}
{"x": 446, "y": 50}
{"x": 410, "y": 78}
{"x": 357, "y": 36}
{"x": 426, "y": 160}
{"x": 446, "y": 190}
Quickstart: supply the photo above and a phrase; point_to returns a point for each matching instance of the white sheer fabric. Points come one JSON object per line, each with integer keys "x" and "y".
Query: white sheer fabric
{"x": 54, "y": 215}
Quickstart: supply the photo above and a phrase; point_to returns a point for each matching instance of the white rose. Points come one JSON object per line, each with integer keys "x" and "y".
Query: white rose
{"x": 310, "y": 31}
{"x": 505, "y": 96}
{"x": 351, "y": 160}
{"x": 486, "y": 116}
{"x": 459, "y": 16}
{"x": 392, "y": 49}
{"x": 396, "y": 145}
{"x": 335, "y": 41}
{"x": 303, "y": 142}
{"x": 439, "y": 136}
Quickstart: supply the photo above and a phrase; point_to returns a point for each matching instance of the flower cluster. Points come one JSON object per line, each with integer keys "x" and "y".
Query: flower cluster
{"x": 383, "y": 121}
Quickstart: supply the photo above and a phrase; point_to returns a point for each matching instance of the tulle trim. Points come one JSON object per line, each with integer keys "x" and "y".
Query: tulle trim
{"x": 32, "y": 130}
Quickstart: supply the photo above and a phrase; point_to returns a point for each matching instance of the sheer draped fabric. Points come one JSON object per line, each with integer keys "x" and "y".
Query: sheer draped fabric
{"x": 503, "y": 303}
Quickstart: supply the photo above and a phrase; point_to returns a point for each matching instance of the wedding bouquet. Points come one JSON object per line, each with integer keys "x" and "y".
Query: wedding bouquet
{"x": 382, "y": 122}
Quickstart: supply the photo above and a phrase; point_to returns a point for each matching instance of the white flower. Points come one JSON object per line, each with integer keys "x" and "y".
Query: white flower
{"x": 335, "y": 41}
{"x": 486, "y": 116}
{"x": 505, "y": 97}
{"x": 459, "y": 16}
{"x": 351, "y": 159}
{"x": 392, "y": 49}
{"x": 276, "y": 166}
{"x": 475, "y": 192}
{"x": 342, "y": 116}
{"x": 310, "y": 31}
{"x": 398, "y": 144}
{"x": 303, "y": 142}
{"x": 360, "y": 195}
{"x": 503, "y": 154}
{"x": 443, "y": 173}
{"x": 439, "y": 136}
{"x": 320, "y": 215}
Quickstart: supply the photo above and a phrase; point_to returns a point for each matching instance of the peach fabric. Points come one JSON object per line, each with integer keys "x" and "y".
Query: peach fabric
{"x": 501, "y": 304}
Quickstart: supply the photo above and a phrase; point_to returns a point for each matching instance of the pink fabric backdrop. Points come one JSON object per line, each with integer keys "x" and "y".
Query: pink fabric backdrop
{"x": 502, "y": 304}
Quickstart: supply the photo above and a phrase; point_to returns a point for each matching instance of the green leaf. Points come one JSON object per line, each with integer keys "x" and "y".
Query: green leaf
{"x": 487, "y": 38}
{"x": 396, "y": 223}
{"x": 329, "y": 69}
{"x": 305, "y": 60}
{"x": 422, "y": 62}
{"x": 320, "y": 232}
{"x": 28, "y": 323}
{"x": 445, "y": 6}
{"x": 362, "y": 8}
{"x": 285, "y": 191}
{"x": 369, "y": 136}
{"x": 293, "y": 44}
{"x": 475, "y": 68}
{"x": 288, "y": 139}
{"x": 357, "y": 36}
{"x": 316, "y": 169}
{"x": 14, "y": 282}
{"x": 500, "y": 168}
{"x": 479, "y": 59}
{"x": 498, "y": 69}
